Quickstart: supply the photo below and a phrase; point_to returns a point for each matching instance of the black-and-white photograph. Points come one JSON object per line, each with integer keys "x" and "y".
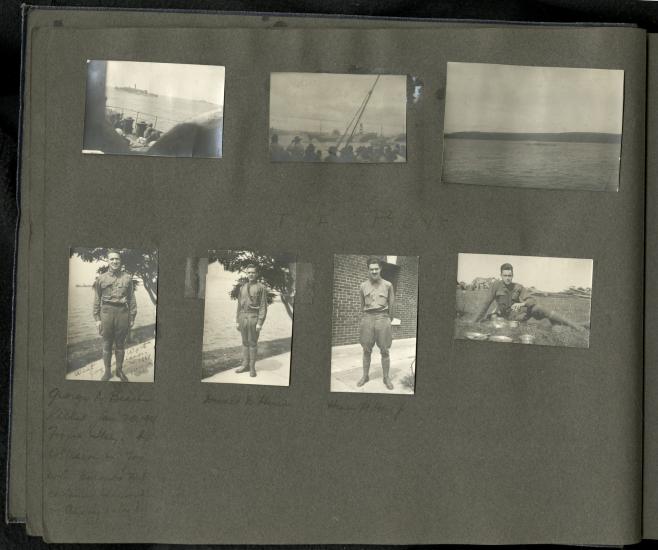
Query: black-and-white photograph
{"x": 524, "y": 299}
{"x": 112, "y": 303}
{"x": 325, "y": 117}
{"x": 248, "y": 316}
{"x": 373, "y": 330}
{"x": 541, "y": 127}
{"x": 155, "y": 109}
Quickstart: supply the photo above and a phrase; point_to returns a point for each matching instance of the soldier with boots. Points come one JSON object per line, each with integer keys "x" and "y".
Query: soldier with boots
{"x": 114, "y": 311}
{"x": 252, "y": 309}
{"x": 377, "y": 301}
{"x": 514, "y": 302}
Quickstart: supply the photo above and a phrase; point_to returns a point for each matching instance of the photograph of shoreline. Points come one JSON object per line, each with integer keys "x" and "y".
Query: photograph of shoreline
{"x": 540, "y": 127}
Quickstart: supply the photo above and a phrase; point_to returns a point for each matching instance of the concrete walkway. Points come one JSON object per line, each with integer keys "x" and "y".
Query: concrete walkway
{"x": 137, "y": 365}
{"x": 271, "y": 371}
{"x": 346, "y": 368}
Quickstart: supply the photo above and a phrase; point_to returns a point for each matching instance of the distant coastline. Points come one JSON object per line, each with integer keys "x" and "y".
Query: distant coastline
{"x": 577, "y": 137}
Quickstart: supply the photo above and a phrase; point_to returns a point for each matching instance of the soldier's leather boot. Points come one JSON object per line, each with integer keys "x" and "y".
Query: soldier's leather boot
{"x": 119, "y": 357}
{"x": 107, "y": 362}
{"x": 386, "y": 367}
{"x": 366, "y": 369}
{"x": 253, "y": 351}
{"x": 244, "y": 366}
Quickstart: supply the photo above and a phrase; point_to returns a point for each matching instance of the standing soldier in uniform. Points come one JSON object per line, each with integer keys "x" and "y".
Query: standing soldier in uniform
{"x": 377, "y": 301}
{"x": 252, "y": 309}
{"x": 115, "y": 309}
{"x": 514, "y": 302}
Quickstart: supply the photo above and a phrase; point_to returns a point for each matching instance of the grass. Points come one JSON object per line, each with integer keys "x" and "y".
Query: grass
{"x": 223, "y": 359}
{"x": 574, "y": 308}
{"x": 82, "y": 353}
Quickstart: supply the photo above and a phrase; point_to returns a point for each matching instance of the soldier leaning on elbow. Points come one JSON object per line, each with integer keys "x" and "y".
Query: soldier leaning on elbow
{"x": 514, "y": 302}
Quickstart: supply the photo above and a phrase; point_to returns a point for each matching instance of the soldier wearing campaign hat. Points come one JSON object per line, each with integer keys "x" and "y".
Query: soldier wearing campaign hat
{"x": 377, "y": 301}
{"x": 114, "y": 311}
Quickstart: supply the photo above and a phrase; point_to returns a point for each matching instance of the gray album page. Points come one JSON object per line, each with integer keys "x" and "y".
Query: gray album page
{"x": 496, "y": 444}
{"x": 650, "y": 479}
{"x": 40, "y": 23}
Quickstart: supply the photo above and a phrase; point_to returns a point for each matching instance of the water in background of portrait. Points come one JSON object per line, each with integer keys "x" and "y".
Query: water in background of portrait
{"x": 85, "y": 344}
{"x": 222, "y": 342}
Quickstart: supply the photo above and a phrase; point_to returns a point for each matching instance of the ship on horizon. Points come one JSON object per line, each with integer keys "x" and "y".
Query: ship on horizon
{"x": 135, "y": 90}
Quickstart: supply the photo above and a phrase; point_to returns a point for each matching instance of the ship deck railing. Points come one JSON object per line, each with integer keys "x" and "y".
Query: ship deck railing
{"x": 141, "y": 116}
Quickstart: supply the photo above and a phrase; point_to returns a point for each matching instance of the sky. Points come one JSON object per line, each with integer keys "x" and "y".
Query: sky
{"x": 298, "y": 101}
{"x": 204, "y": 82}
{"x": 83, "y": 273}
{"x": 548, "y": 274}
{"x": 509, "y": 98}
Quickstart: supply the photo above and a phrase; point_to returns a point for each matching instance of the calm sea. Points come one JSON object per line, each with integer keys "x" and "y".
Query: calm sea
{"x": 169, "y": 110}
{"x": 219, "y": 320}
{"x": 543, "y": 164}
{"x": 81, "y": 324}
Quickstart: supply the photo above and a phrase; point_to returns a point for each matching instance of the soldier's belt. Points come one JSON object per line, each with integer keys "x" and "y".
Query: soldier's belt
{"x": 115, "y": 304}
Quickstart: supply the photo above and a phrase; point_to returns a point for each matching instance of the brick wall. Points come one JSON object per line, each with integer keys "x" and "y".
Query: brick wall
{"x": 349, "y": 272}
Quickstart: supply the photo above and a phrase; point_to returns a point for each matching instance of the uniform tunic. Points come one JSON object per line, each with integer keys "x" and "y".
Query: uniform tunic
{"x": 114, "y": 305}
{"x": 377, "y": 300}
{"x": 252, "y": 310}
{"x": 503, "y": 296}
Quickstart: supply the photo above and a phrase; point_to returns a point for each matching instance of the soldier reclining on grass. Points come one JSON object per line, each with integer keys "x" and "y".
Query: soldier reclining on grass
{"x": 514, "y": 302}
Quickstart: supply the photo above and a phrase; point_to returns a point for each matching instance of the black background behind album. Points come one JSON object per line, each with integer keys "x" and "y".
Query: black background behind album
{"x": 644, "y": 14}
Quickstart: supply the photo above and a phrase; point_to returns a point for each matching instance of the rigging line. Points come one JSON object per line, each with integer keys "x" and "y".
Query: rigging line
{"x": 359, "y": 114}
{"x": 363, "y": 110}
{"x": 349, "y": 124}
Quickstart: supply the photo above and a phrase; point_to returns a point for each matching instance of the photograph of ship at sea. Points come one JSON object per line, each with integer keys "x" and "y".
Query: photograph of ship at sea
{"x": 156, "y": 109}
{"x": 325, "y": 117}
{"x": 539, "y": 127}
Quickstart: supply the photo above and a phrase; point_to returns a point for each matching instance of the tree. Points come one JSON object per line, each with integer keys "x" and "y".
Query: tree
{"x": 276, "y": 272}
{"x": 142, "y": 266}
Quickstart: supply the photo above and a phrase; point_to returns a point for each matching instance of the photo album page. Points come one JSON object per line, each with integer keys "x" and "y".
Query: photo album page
{"x": 288, "y": 280}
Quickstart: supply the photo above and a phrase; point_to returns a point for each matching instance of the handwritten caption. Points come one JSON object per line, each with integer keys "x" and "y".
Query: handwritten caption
{"x": 96, "y": 447}
{"x": 246, "y": 400}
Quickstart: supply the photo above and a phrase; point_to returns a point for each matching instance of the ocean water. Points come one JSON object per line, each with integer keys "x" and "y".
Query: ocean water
{"x": 539, "y": 164}
{"x": 169, "y": 110}
{"x": 219, "y": 319}
{"x": 81, "y": 324}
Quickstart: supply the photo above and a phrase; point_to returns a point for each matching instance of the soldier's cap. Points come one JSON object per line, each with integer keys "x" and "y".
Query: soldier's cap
{"x": 296, "y": 139}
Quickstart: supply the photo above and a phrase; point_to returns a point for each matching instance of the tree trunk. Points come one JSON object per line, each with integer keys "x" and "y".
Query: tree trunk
{"x": 288, "y": 304}
{"x": 150, "y": 288}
